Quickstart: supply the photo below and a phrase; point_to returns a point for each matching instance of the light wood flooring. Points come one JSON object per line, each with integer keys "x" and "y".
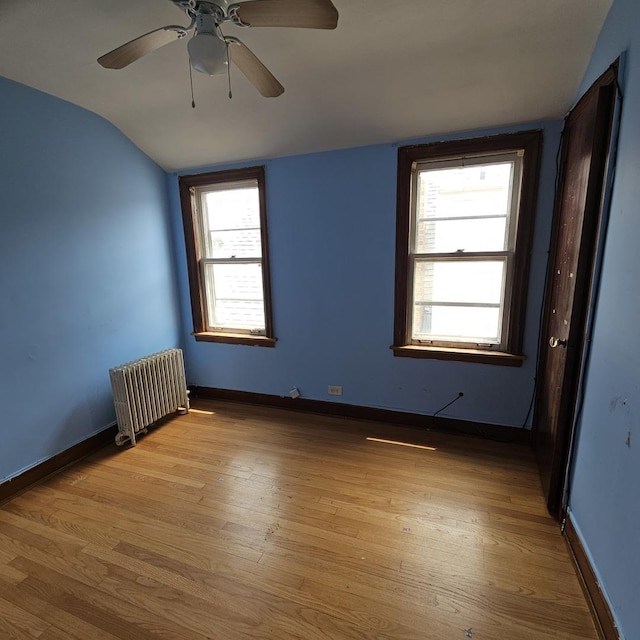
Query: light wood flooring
{"x": 239, "y": 522}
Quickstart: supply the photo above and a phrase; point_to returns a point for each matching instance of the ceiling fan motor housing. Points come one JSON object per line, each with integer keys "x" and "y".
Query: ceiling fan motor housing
{"x": 214, "y": 7}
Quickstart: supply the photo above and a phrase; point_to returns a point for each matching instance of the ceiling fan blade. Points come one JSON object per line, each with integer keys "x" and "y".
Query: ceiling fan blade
{"x": 135, "y": 49}
{"x": 305, "y": 14}
{"x": 257, "y": 74}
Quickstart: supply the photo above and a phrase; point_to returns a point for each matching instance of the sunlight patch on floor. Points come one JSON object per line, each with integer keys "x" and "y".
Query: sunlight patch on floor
{"x": 402, "y": 444}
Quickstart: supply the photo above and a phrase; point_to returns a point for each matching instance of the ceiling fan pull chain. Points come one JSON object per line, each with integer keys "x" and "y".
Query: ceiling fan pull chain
{"x": 193, "y": 102}
{"x": 229, "y": 71}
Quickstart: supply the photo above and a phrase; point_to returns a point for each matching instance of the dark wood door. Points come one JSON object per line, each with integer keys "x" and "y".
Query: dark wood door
{"x": 583, "y": 164}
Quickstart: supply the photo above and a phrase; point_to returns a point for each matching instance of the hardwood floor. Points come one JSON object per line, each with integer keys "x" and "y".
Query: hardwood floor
{"x": 241, "y": 522}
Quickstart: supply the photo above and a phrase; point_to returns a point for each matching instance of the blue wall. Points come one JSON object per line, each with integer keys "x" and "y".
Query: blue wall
{"x": 605, "y": 495}
{"x": 86, "y": 271}
{"x": 331, "y": 223}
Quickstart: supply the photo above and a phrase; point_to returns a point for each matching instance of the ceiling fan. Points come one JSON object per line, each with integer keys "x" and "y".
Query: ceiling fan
{"x": 210, "y": 50}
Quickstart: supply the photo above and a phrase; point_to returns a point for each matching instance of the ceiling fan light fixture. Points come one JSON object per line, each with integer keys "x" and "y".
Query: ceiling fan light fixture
{"x": 208, "y": 54}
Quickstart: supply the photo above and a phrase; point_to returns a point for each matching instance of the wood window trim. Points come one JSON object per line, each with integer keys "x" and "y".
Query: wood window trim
{"x": 186, "y": 183}
{"x": 483, "y": 356}
{"x": 531, "y": 142}
{"x": 234, "y": 338}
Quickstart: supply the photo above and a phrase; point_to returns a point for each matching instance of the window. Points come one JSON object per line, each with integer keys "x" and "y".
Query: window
{"x": 224, "y": 216}
{"x": 464, "y": 225}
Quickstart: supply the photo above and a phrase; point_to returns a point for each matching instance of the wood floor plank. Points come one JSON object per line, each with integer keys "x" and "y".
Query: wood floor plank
{"x": 234, "y": 604}
{"x": 5, "y": 556}
{"x": 147, "y": 526}
{"x": 138, "y": 484}
{"x": 11, "y": 575}
{"x": 209, "y": 571}
{"x": 151, "y": 471}
{"x": 42, "y": 509}
{"x": 36, "y": 533}
{"x": 60, "y": 617}
{"x": 100, "y": 607}
{"x": 17, "y": 622}
{"x": 242, "y": 522}
{"x": 67, "y": 563}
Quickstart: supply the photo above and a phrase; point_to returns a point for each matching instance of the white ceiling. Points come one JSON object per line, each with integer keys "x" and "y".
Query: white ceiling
{"x": 392, "y": 70}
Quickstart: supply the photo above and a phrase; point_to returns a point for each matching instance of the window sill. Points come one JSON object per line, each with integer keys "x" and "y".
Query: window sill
{"x": 462, "y": 355}
{"x": 234, "y": 338}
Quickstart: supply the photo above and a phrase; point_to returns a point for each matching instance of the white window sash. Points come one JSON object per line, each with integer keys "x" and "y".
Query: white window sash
{"x": 507, "y": 255}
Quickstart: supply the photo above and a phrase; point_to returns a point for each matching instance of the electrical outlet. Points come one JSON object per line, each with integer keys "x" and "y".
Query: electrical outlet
{"x": 334, "y": 390}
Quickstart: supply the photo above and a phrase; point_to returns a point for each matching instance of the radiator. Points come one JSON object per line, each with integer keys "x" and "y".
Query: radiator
{"x": 146, "y": 390}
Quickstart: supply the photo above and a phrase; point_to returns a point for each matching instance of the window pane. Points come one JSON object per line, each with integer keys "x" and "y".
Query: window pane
{"x": 237, "y": 208}
{"x": 476, "y": 190}
{"x": 245, "y": 243}
{"x": 456, "y": 324}
{"x": 235, "y": 296}
{"x": 461, "y": 281}
{"x": 237, "y": 315}
{"x": 449, "y": 236}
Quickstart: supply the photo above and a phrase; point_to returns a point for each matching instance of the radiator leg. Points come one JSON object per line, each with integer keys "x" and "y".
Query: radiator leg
{"x": 121, "y": 438}
{"x": 183, "y": 410}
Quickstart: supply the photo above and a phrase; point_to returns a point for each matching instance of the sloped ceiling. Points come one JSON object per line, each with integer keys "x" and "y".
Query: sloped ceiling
{"x": 393, "y": 69}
